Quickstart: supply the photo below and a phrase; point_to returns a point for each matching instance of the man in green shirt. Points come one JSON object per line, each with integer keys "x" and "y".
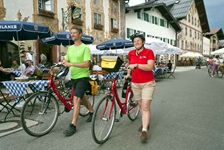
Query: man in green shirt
{"x": 78, "y": 59}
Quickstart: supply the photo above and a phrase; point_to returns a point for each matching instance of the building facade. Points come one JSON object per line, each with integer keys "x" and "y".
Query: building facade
{"x": 37, "y": 11}
{"x": 192, "y": 18}
{"x": 102, "y": 19}
{"x": 206, "y": 46}
{"x": 215, "y": 35}
{"x": 149, "y": 19}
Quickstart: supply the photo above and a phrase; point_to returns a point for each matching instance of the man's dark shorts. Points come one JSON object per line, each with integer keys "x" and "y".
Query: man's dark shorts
{"x": 81, "y": 85}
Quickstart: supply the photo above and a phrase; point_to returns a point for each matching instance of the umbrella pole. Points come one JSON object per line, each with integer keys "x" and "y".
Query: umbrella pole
{"x": 20, "y": 62}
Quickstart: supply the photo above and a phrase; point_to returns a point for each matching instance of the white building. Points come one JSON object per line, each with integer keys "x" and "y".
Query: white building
{"x": 206, "y": 46}
{"x": 153, "y": 20}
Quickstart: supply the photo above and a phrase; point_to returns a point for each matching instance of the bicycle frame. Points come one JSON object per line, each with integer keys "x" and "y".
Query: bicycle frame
{"x": 52, "y": 86}
{"x": 113, "y": 92}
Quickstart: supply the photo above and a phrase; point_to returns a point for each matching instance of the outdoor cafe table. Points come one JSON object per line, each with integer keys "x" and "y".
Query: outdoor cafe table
{"x": 160, "y": 71}
{"x": 19, "y": 88}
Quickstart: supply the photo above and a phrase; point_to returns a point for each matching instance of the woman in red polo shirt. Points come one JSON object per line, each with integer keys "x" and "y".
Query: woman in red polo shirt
{"x": 141, "y": 64}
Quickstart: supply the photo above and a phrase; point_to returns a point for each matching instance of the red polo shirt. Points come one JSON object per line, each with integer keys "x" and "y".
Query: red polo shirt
{"x": 138, "y": 75}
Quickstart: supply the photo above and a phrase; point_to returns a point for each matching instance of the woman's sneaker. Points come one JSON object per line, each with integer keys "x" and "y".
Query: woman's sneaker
{"x": 144, "y": 136}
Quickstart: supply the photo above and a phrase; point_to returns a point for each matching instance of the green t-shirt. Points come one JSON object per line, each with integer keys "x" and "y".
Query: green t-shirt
{"x": 78, "y": 54}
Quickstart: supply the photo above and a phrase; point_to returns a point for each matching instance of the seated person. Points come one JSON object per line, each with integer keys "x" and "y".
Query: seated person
{"x": 97, "y": 67}
{"x": 7, "y": 74}
{"x": 30, "y": 68}
{"x": 169, "y": 65}
{"x": 15, "y": 65}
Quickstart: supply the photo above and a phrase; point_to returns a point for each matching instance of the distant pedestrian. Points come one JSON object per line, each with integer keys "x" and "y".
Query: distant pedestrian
{"x": 216, "y": 63}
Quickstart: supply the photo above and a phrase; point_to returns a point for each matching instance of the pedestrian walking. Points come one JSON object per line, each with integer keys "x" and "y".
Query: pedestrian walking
{"x": 78, "y": 59}
{"x": 141, "y": 63}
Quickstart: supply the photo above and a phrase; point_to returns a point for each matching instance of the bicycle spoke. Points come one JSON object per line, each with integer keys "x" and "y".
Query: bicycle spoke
{"x": 103, "y": 120}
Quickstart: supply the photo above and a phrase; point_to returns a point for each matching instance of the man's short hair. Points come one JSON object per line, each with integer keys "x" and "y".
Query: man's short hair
{"x": 77, "y": 28}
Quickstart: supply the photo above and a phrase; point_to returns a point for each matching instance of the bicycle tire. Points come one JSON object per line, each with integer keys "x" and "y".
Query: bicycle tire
{"x": 132, "y": 107}
{"x": 219, "y": 73}
{"x": 102, "y": 123}
{"x": 209, "y": 71}
{"x": 39, "y": 114}
{"x": 83, "y": 110}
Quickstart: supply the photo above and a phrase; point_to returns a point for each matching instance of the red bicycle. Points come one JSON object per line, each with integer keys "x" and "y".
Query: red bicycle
{"x": 41, "y": 110}
{"x": 105, "y": 112}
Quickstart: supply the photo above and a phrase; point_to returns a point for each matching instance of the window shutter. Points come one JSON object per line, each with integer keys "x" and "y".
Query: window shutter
{"x": 162, "y": 22}
{"x": 153, "y": 19}
{"x": 128, "y": 33}
{"x": 138, "y": 15}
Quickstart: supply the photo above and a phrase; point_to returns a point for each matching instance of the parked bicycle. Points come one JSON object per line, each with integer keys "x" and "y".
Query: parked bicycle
{"x": 105, "y": 112}
{"x": 42, "y": 108}
{"x": 218, "y": 73}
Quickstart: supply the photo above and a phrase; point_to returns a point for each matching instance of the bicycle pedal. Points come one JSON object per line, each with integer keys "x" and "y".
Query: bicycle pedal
{"x": 66, "y": 110}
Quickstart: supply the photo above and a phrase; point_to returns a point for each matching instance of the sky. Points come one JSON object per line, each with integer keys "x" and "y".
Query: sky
{"x": 214, "y": 11}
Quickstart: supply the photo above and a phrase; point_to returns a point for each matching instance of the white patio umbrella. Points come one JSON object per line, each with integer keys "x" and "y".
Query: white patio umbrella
{"x": 95, "y": 51}
{"x": 191, "y": 55}
{"x": 219, "y": 51}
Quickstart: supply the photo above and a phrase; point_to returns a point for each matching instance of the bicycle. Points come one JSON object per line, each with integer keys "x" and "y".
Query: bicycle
{"x": 218, "y": 73}
{"x": 105, "y": 112}
{"x": 42, "y": 108}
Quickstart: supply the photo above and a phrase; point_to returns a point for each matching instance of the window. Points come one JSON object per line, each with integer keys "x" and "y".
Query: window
{"x": 191, "y": 45}
{"x": 150, "y": 19}
{"x": 182, "y": 44}
{"x": 114, "y": 23}
{"x": 97, "y": 18}
{"x": 189, "y": 18}
{"x": 78, "y": 11}
{"x": 186, "y": 31}
{"x": 168, "y": 25}
{"x": 153, "y": 19}
{"x": 185, "y": 44}
{"x": 45, "y": 5}
{"x": 195, "y": 35}
{"x": 156, "y": 21}
{"x": 130, "y": 32}
{"x": 190, "y": 33}
{"x": 146, "y": 17}
{"x": 193, "y": 20}
{"x": 162, "y": 23}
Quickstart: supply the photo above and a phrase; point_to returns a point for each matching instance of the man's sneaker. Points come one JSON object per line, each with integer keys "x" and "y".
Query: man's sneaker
{"x": 70, "y": 131}
{"x": 144, "y": 136}
{"x": 90, "y": 117}
{"x": 140, "y": 128}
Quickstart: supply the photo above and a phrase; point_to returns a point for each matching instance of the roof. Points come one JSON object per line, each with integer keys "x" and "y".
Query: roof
{"x": 180, "y": 9}
{"x": 163, "y": 10}
{"x": 217, "y": 31}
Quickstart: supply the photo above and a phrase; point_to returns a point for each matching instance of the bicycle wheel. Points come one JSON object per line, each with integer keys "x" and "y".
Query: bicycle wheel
{"x": 132, "y": 107}
{"x": 83, "y": 110}
{"x": 219, "y": 73}
{"x": 39, "y": 114}
{"x": 210, "y": 71}
{"x": 103, "y": 120}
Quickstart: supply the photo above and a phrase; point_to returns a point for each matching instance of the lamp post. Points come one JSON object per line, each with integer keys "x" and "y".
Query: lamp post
{"x": 70, "y": 12}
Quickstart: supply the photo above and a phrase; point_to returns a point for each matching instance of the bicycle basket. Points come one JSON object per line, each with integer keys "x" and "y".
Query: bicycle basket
{"x": 111, "y": 63}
